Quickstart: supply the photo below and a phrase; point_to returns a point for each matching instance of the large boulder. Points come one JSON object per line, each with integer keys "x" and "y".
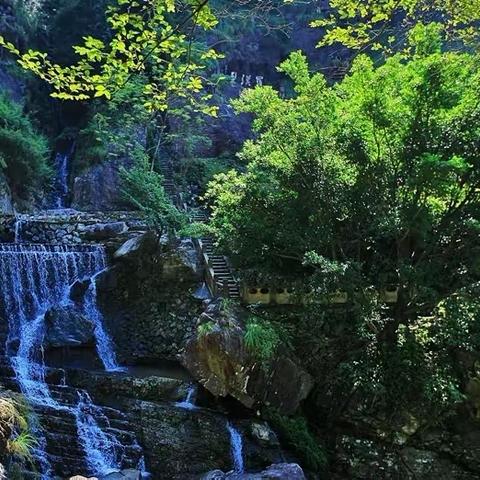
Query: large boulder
{"x": 280, "y": 471}
{"x": 104, "y": 231}
{"x": 98, "y": 188}
{"x": 219, "y": 360}
{"x": 68, "y": 327}
{"x": 182, "y": 264}
{"x": 137, "y": 247}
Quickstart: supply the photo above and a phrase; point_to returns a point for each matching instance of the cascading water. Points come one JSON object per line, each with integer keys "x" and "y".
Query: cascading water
{"x": 189, "y": 402}
{"x": 236, "y": 447}
{"x": 102, "y": 449}
{"x": 104, "y": 344}
{"x": 36, "y": 278}
{"x": 18, "y": 229}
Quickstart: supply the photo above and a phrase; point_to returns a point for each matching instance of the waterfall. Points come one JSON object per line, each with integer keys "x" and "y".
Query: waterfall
{"x": 61, "y": 180}
{"x": 236, "y": 446}
{"x": 36, "y": 278}
{"x": 18, "y": 229}
{"x": 103, "y": 341}
{"x": 189, "y": 402}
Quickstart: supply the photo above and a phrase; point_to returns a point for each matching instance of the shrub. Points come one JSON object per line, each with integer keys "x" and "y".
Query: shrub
{"x": 143, "y": 188}
{"x": 205, "y": 329}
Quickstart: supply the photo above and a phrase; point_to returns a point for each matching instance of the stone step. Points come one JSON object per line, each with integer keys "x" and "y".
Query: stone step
{"x": 67, "y": 466}
{"x": 71, "y": 449}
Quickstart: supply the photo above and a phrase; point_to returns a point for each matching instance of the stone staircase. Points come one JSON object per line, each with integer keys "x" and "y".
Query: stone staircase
{"x": 166, "y": 167}
{"x": 220, "y": 276}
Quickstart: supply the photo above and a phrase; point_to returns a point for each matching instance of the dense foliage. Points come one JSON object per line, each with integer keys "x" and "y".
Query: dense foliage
{"x": 143, "y": 187}
{"x": 23, "y": 151}
{"x": 145, "y": 42}
{"x": 368, "y": 185}
{"x": 383, "y": 24}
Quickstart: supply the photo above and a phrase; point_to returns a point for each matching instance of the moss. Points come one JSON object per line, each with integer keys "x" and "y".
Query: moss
{"x": 295, "y": 433}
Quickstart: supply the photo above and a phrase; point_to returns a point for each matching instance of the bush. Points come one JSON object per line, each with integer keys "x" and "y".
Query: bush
{"x": 205, "y": 328}
{"x": 23, "y": 152}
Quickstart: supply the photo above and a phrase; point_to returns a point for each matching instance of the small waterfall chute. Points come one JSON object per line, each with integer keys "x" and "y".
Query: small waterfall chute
{"x": 202, "y": 292}
{"x": 189, "y": 402}
{"x": 104, "y": 343}
{"x": 62, "y": 164}
{"x": 102, "y": 450}
{"x": 236, "y": 448}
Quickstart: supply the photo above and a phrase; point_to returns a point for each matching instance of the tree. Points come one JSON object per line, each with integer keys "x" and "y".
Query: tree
{"x": 380, "y": 23}
{"x": 371, "y": 182}
{"x": 148, "y": 39}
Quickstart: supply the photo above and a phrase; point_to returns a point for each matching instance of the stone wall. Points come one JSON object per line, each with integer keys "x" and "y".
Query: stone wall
{"x": 147, "y": 299}
{"x": 74, "y": 229}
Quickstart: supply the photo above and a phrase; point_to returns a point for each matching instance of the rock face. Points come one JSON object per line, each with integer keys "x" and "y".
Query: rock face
{"x": 178, "y": 444}
{"x": 219, "y": 360}
{"x": 104, "y": 231}
{"x": 98, "y": 188}
{"x": 6, "y": 204}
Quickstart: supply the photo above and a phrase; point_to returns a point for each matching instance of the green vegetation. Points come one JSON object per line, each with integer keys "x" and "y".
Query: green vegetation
{"x": 361, "y": 25}
{"x": 295, "y": 432}
{"x": 116, "y": 129}
{"x": 368, "y": 183}
{"x": 23, "y": 152}
{"x": 366, "y": 186}
{"x": 146, "y": 41}
{"x": 205, "y": 328}
{"x": 144, "y": 189}
{"x": 261, "y": 338}
{"x": 15, "y": 436}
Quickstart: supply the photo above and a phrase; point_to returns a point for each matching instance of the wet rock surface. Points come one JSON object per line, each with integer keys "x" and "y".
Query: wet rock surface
{"x": 68, "y": 327}
{"x": 98, "y": 188}
{"x": 6, "y": 202}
